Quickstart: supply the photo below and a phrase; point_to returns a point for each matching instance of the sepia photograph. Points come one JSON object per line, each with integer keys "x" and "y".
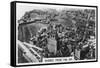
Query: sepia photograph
{"x": 48, "y": 33}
